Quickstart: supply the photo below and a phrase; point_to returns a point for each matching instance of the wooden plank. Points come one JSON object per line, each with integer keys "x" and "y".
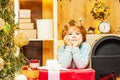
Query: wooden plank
{"x": 47, "y": 51}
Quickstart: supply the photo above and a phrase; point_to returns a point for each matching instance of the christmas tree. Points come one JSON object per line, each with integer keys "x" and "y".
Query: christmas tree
{"x": 9, "y": 62}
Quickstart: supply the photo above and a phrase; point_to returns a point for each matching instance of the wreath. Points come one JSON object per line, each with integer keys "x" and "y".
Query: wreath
{"x": 100, "y": 11}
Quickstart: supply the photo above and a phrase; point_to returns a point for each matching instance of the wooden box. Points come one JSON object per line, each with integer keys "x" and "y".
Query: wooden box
{"x": 26, "y": 26}
{"x": 24, "y": 13}
{"x": 31, "y": 34}
{"x": 24, "y": 20}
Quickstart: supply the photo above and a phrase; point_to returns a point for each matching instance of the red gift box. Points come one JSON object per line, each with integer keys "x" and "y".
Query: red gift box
{"x": 71, "y": 74}
{"x": 34, "y": 63}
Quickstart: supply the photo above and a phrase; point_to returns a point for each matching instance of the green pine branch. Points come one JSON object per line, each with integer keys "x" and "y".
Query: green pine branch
{"x": 7, "y": 46}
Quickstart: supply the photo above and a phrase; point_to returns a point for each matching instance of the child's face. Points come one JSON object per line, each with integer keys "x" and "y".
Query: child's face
{"x": 74, "y": 35}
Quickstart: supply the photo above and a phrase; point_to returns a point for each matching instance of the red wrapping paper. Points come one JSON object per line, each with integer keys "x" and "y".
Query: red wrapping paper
{"x": 71, "y": 74}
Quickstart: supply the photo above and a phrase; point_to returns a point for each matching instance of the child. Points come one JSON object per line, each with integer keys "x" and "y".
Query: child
{"x": 75, "y": 52}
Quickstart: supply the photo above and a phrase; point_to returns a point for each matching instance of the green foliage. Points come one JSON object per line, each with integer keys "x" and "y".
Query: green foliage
{"x": 7, "y": 46}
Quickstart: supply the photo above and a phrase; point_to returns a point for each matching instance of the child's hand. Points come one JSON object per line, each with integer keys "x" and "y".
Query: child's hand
{"x": 67, "y": 41}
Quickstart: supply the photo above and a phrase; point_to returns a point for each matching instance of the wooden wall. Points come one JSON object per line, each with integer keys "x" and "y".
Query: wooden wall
{"x": 76, "y": 9}
{"x": 41, "y": 9}
{"x": 47, "y": 9}
{"x": 48, "y": 46}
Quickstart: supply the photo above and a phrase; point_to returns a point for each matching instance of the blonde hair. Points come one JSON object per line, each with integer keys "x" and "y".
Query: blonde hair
{"x": 73, "y": 23}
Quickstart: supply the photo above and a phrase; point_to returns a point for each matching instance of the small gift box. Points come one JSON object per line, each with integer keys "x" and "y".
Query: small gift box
{"x": 52, "y": 64}
{"x": 34, "y": 63}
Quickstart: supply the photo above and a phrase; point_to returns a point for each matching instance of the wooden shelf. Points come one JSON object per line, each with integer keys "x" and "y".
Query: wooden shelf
{"x": 49, "y": 46}
{"x": 41, "y": 39}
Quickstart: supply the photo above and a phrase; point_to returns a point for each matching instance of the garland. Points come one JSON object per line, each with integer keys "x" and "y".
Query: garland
{"x": 9, "y": 63}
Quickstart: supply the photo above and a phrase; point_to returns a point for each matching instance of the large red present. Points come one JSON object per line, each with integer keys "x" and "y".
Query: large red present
{"x": 70, "y": 74}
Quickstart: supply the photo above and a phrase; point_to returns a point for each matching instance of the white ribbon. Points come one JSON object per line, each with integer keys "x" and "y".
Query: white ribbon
{"x": 53, "y": 75}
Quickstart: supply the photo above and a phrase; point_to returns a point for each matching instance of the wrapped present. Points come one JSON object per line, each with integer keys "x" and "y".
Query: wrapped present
{"x": 26, "y": 26}
{"x": 34, "y": 63}
{"x": 31, "y": 33}
{"x": 45, "y": 29}
{"x": 24, "y": 20}
{"x": 20, "y": 77}
{"x": 53, "y": 64}
{"x": 25, "y": 13}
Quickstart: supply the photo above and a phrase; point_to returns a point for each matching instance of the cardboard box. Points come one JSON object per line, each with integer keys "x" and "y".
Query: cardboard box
{"x": 30, "y": 33}
{"x": 24, "y": 13}
{"x": 26, "y": 26}
{"x": 24, "y": 20}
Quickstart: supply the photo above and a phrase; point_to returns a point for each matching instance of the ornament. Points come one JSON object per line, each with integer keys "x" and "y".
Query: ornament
{"x": 21, "y": 40}
{"x": 1, "y": 23}
{"x": 6, "y": 28}
{"x": 20, "y": 77}
{"x": 1, "y": 64}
